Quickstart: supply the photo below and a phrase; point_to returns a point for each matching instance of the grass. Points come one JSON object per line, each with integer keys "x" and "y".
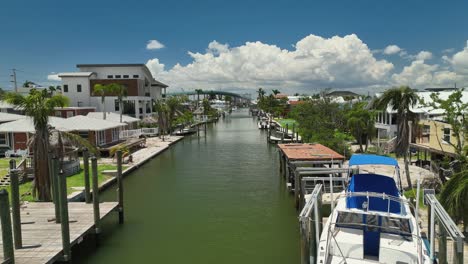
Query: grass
{"x": 287, "y": 121}
{"x": 411, "y": 194}
{"x": 5, "y": 166}
{"x": 76, "y": 180}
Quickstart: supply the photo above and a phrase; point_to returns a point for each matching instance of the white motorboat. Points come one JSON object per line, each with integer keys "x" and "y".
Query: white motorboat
{"x": 371, "y": 221}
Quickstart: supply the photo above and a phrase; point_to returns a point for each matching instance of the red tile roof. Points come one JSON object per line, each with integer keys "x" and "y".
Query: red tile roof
{"x": 309, "y": 152}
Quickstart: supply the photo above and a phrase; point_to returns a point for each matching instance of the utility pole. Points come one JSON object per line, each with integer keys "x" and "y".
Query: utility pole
{"x": 14, "y": 80}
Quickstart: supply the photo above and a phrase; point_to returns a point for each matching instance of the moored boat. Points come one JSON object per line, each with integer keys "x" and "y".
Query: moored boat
{"x": 371, "y": 221}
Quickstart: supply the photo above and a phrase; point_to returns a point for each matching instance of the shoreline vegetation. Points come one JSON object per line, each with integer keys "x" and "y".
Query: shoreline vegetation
{"x": 349, "y": 126}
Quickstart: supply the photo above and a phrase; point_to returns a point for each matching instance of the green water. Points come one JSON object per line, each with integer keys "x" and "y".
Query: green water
{"x": 213, "y": 199}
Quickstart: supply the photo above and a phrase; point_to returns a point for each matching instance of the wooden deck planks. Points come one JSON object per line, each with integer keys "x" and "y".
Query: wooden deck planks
{"x": 48, "y": 234}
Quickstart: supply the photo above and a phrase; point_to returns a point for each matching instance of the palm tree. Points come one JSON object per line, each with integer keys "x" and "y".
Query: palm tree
{"x": 275, "y": 91}
{"x": 120, "y": 91}
{"x": 261, "y": 93}
{"x": 361, "y": 124}
{"x": 161, "y": 108}
{"x": 39, "y": 105}
{"x": 454, "y": 196}
{"x": 173, "y": 105}
{"x": 401, "y": 99}
{"x": 198, "y": 91}
{"x": 102, "y": 90}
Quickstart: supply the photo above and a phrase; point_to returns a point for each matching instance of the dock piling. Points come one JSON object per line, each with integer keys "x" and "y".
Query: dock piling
{"x": 7, "y": 236}
{"x": 15, "y": 203}
{"x": 86, "y": 175}
{"x": 120, "y": 184}
{"x": 95, "y": 196}
{"x": 55, "y": 187}
{"x": 12, "y": 164}
{"x": 65, "y": 224}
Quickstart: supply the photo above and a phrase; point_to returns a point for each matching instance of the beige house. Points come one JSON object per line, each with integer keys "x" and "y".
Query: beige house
{"x": 435, "y": 138}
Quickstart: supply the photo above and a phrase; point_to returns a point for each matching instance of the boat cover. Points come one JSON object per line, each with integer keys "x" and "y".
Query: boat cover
{"x": 373, "y": 183}
{"x": 366, "y": 159}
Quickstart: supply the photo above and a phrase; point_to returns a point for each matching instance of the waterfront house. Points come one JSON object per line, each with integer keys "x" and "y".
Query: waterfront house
{"x": 142, "y": 88}
{"x": 431, "y": 135}
{"x": 66, "y": 112}
{"x": 132, "y": 122}
{"x": 100, "y": 133}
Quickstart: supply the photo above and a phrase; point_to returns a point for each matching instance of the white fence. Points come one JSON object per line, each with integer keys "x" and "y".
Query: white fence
{"x": 134, "y": 133}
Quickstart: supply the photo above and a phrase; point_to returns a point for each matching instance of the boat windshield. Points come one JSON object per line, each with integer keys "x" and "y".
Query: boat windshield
{"x": 371, "y": 222}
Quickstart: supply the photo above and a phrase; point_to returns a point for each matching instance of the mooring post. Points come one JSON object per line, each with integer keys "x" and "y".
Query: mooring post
{"x": 458, "y": 250}
{"x": 120, "y": 184}
{"x": 56, "y": 188}
{"x": 297, "y": 188}
{"x": 86, "y": 175}
{"x": 97, "y": 216}
{"x": 65, "y": 224}
{"x": 281, "y": 163}
{"x": 442, "y": 256}
{"x": 5, "y": 221}
{"x": 12, "y": 164}
{"x": 15, "y": 204}
{"x": 293, "y": 132}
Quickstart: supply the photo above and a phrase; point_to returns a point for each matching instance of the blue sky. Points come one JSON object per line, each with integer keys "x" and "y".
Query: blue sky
{"x": 44, "y": 37}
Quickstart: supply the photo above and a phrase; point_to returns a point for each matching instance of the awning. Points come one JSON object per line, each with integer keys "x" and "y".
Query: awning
{"x": 366, "y": 159}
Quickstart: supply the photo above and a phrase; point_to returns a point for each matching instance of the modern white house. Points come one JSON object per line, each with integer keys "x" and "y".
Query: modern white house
{"x": 142, "y": 88}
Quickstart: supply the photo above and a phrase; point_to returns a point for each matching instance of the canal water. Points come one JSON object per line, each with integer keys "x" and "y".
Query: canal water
{"x": 210, "y": 199}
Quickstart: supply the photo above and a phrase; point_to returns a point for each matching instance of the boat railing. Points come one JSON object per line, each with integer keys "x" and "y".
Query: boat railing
{"x": 383, "y": 196}
{"x": 415, "y": 237}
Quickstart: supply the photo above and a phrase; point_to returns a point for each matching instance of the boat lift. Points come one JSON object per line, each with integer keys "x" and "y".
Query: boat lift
{"x": 442, "y": 230}
{"x": 441, "y": 227}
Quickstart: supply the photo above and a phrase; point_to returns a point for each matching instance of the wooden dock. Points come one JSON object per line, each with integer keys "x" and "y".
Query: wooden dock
{"x": 47, "y": 233}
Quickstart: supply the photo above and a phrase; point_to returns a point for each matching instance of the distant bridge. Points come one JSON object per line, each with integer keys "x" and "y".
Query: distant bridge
{"x": 210, "y": 92}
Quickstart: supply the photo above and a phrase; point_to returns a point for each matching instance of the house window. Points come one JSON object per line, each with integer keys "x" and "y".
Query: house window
{"x": 78, "y": 88}
{"x": 110, "y": 76}
{"x": 115, "y": 134}
{"x": 118, "y": 76}
{"x": 136, "y": 76}
{"x": 58, "y": 113}
{"x": 125, "y": 76}
{"x": 4, "y": 139}
{"x": 70, "y": 114}
{"x": 117, "y": 105}
{"x": 101, "y": 137}
{"x": 447, "y": 134}
{"x": 65, "y": 88}
{"x": 83, "y": 134}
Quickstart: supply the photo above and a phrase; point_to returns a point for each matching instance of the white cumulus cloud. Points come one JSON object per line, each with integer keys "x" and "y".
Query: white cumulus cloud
{"x": 392, "y": 49}
{"x": 53, "y": 77}
{"x": 315, "y": 62}
{"x": 424, "y": 55}
{"x": 154, "y": 45}
{"x": 460, "y": 61}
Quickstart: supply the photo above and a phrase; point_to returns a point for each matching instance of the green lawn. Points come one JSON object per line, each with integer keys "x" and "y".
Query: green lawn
{"x": 76, "y": 180}
{"x": 5, "y": 166}
{"x": 287, "y": 121}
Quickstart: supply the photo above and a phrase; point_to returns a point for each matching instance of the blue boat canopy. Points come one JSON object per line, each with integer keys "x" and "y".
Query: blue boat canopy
{"x": 367, "y": 159}
{"x": 377, "y": 184}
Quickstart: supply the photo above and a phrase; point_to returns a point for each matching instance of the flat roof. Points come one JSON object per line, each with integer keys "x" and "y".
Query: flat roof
{"x": 309, "y": 151}
{"x": 112, "y": 65}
